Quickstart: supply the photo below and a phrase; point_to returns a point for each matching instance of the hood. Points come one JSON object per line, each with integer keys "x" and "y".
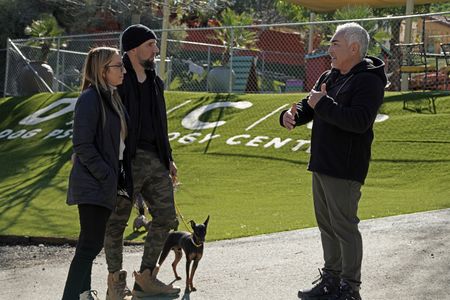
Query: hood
{"x": 373, "y": 65}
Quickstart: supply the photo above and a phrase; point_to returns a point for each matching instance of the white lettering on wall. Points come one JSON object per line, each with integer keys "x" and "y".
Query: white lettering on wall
{"x": 256, "y": 141}
{"x": 208, "y": 137}
{"x": 300, "y": 143}
{"x": 5, "y": 133}
{"x": 16, "y": 134}
{"x": 31, "y": 133}
{"x": 234, "y": 139}
{"x": 189, "y": 138}
{"x": 277, "y": 143}
{"x": 173, "y": 135}
{"x": 54, "y": 133}
{"x": 37, "y": 118}
{"x": 192, "y": 120}
{"x": 23, "y": 133}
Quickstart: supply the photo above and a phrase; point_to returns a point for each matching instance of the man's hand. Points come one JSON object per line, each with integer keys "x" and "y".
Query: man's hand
{"x": 289, "y": 117}
{"x": 315, "y": 96}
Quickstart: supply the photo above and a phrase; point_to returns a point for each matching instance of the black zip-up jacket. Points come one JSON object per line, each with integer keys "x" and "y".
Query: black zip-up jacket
{"x": 94, "y": 175}
{"x": 342, "y": 131}
{"x": 129, "y": 92}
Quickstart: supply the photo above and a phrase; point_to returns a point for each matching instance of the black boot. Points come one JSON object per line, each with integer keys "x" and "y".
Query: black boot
{"x": 325, "y": 287}
{"x": 346, "y": 292}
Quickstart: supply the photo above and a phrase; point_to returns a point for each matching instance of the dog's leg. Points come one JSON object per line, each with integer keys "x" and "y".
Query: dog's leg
{"x": 178, "y": 256}
{"x": 191, "y": 278}
{"x": 188, "y": 265}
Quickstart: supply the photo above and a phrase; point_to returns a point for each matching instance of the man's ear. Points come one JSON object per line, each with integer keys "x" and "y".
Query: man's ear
{"x": 354, "y": 48}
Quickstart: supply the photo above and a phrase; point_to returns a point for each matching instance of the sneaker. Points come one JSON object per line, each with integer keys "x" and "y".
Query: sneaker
{"x": 117, "y": 286}
{"x": 89, "y": 295}
{"x": 325, "y": 287}
{"x": 346, "y": 292}
{"x": 146, "y": 284}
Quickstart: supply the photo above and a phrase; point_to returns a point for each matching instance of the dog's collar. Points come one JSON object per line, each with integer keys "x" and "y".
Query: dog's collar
{"x": 195, "y": 244}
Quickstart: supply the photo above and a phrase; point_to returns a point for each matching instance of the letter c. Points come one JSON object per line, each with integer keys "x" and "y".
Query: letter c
{"x": 192, "y": 120}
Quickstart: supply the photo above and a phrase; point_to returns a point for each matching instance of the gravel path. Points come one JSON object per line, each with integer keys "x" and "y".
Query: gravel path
{"x": 405, "y": 257}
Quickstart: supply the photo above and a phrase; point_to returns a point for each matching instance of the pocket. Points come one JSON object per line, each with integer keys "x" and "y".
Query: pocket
{"x": 109, "y": 184}
{"x": 82, "y": 185}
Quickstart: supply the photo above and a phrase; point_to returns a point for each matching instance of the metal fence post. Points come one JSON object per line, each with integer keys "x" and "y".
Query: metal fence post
{"x": 263, "y": 64}
{"x": 56, "y": 84}
{"x": 209, "y": 67}
{"x": 230, "y": 79}
{"x": 7, "y": 67}
{"x": 168, "y": 74}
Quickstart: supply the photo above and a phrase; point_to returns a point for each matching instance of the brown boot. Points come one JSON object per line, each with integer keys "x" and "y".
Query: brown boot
{"x": 150, "y": 285}
{"x": 117, "y": 286}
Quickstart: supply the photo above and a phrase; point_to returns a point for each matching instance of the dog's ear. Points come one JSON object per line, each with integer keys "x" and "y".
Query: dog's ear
{"x": 192, "y": 224}
{"x": 206, "y": 221}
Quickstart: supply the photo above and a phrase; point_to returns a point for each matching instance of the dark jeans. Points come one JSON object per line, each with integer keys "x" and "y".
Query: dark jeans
{"x": 93, "y": 220}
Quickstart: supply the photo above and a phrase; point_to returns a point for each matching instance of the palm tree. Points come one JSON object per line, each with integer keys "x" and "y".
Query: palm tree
{"x": 37, "y": 76}
{"x": 241, "y": 38}
{"x": 45, "y": 27}
{"x": 221, "y": 78}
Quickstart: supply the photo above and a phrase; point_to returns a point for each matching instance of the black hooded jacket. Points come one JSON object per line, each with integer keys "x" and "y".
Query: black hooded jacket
{"x": 95, "y": 171}
{"x": 342, "y": 131}
{"x": 130, "y": 96}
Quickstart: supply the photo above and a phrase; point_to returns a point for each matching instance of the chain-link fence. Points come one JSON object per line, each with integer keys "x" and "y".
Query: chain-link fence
{"x": 277, "y": 58}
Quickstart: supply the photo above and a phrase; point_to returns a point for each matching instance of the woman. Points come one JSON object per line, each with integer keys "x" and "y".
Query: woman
{"x": 99, "y": 131}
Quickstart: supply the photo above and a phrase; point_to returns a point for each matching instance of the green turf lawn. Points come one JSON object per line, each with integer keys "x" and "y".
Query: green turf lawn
{"x": 247, "y": 190}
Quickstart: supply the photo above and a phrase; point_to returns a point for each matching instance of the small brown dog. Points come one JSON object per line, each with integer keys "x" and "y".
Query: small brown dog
{"x": 191, "y": 244}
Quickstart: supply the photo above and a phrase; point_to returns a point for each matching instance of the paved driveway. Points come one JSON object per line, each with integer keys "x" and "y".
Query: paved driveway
{"x": 405, "y": 257}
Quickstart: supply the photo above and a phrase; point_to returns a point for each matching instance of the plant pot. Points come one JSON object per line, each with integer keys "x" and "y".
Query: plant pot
{"x": 28, "y": 83}
{"x": 219, "y": 79}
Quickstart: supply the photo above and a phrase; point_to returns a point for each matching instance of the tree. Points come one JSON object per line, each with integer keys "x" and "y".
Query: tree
{"x": 46, "y": 26}
{"x": 237, "y": 37}
{"x": 292, "y": 12}
{"x": 15, "y": 15}
{"x": 272, "y": 11}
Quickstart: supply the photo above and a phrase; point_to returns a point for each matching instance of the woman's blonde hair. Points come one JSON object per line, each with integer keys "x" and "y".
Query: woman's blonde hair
{"x": 94, "y": 75}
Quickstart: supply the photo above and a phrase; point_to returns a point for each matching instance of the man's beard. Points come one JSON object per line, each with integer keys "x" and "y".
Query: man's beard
{"x": 148, "y": 64}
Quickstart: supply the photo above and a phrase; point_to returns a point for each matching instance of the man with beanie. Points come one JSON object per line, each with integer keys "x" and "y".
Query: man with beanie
{"x": 149, "y": 156}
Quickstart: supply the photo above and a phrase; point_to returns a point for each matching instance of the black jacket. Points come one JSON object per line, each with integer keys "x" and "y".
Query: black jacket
{"x": 342, "y": 131}
{"x": 94, "y": 175}
{"x": 131, "y": 99}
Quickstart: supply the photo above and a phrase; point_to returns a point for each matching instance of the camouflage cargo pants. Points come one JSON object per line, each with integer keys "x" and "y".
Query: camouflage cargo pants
{"x": 151, "y": 179}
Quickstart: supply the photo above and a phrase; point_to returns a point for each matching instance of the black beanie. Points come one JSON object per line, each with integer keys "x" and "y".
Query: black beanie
{"x": 135, "y": 35}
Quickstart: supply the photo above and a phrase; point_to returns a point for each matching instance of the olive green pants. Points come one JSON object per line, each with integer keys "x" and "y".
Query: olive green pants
{"x": 336, "y": 206}
{"x": 151, "y": 179}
